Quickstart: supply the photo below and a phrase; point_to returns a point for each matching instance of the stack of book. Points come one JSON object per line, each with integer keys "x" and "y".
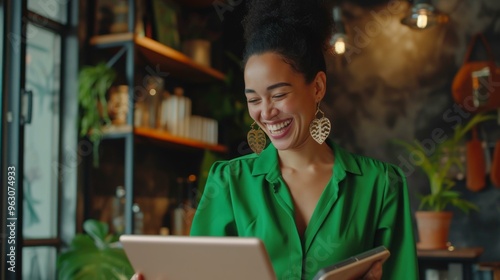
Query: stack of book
{"x": 203, "y": 129}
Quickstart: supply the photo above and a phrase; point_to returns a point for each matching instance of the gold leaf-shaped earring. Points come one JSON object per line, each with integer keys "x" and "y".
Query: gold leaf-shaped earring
{"x": 256, "y": 139}
{"x": 320, "y": 127}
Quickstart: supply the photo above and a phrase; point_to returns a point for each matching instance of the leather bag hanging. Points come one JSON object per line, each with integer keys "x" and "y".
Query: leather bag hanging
{"x": 476, "y": 86}
{"x": 495, "y": 166}
{"x": 476, "y": 164}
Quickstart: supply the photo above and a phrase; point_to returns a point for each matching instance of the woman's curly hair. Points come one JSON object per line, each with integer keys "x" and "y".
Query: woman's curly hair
{"x": 298, "y": 30}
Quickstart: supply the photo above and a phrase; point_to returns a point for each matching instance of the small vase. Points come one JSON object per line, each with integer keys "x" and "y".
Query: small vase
{"x": 198, "y": 50}
{"x": 433, "y": 228}
{"x": 118, "y": 105}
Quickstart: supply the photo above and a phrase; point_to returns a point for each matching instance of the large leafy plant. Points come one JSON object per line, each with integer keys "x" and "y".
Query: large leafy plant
{"x": 437, "y": 166}
{"x": 95, "y": 255}
{"x": 94, "y": 83}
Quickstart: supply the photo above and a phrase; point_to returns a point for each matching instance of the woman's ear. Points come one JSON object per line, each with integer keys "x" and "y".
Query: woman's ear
{"x": 319, "y": 86}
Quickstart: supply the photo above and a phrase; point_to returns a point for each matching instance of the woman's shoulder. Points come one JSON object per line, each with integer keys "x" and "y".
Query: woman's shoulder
{"x": 387, "y": 175}
{"x": 256, "y": 163}
{"x": 236, "y": 163}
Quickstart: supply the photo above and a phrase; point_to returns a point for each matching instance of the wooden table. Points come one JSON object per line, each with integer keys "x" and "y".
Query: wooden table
{"x": 441, "y": 259}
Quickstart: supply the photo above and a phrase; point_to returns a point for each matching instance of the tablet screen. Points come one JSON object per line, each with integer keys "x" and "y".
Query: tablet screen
{"x": 188, "y": 257}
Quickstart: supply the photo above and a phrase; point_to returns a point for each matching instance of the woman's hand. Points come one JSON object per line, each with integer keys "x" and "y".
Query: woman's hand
{"x": 375, "y": 272}
{"x": 137, "y": 276}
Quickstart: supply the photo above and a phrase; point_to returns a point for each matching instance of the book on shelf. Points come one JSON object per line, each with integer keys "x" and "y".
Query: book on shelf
{"x": 165, "y": 26}
{"x": 203, "y": 129}
{"x": 435, "y": 274}
{"x": 111, "y": 17}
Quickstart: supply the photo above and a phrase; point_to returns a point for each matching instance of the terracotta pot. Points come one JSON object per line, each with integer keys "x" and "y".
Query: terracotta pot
{"x": 433, "y": 228}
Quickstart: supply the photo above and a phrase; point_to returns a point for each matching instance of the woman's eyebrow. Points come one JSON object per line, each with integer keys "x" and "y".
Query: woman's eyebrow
{"x": 271, "y": 87}
{"x": 283, "y": 84}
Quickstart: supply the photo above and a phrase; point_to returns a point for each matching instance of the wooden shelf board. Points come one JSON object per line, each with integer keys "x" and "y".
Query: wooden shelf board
{"x": 196, "y": 3}
{"x": 168, "y": 59}
{"x": 465, "y": 253}
{"x": 176, "y": 62}
{"x": 167, "y": 137}
{"x": 111, "y": 39}
{"x": 114, "y": 132}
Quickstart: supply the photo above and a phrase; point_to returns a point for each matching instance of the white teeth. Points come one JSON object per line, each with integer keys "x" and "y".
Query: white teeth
{"x": 275, "y": 128}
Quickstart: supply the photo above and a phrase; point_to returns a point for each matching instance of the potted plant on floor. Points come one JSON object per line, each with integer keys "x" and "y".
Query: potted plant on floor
{"x": 433, "y": 221}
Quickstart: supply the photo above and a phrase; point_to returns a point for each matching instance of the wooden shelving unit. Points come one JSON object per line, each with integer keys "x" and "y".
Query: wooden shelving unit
{"x": 169, "y": 138}
{"x": 131, "y": 52}
{"x": 463, "y": 260}
{"x": 196, "y": 3}
{"x": 178, "y": 64}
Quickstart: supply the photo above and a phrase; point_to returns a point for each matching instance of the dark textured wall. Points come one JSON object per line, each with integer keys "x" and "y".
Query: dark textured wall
{"x": 395, "y": 82}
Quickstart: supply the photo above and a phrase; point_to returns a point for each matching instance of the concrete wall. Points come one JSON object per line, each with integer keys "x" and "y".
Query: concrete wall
{"x": 395, "y": 82}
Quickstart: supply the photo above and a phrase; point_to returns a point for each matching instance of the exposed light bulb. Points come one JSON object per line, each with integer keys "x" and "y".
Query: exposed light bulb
{"x": 422, "y": 21}
{"x": 339, "y": 46}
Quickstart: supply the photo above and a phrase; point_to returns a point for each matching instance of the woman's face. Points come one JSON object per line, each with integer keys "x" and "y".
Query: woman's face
{"x": 280, "y": 101}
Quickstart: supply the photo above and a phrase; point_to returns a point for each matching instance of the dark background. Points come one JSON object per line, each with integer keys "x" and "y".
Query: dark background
{"x": 396, "y": 84}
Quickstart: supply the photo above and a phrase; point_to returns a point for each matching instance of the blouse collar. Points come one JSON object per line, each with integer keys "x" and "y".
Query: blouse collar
{"x": 267, "y": 163}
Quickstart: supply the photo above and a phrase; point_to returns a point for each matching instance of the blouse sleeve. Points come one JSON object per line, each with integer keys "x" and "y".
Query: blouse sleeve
{"x": 214, "y": 215}
{"x": 395, "y": 229}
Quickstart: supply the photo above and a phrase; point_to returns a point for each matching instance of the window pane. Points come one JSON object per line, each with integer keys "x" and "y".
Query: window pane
{"x": 1, "y": 68}
{"x": 39, "y": 263}
{"x": 1, "y": 54}
{"x": 52, "y": 9}
{"x": 41, "y": 141}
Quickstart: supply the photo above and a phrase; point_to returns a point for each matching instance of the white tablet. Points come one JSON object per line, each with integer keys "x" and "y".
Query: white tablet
{"x": 189, "y": 258}
{"x": 354, "y": 267}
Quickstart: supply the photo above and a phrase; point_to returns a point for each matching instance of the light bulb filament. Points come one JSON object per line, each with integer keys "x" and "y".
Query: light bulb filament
{"x": 339, "y": 46}
{"x": 422, "y": 21}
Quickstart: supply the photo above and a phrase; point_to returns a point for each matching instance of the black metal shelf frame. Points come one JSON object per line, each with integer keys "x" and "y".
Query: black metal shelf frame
{"x": 127, "y": 50}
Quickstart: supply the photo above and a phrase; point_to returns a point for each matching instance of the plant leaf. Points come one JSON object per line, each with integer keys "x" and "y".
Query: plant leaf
{"x": 98, "y": 231}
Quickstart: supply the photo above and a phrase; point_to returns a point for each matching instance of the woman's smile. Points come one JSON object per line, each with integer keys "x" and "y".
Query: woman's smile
{"x": 279, "y": 129}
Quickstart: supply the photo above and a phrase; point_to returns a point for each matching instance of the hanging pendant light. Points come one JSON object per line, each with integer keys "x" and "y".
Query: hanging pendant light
{"x": 423, "y": 15}
{"x": 339, "y": 39}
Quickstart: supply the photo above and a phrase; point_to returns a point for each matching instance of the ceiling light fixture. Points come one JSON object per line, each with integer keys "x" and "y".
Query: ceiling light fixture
{"x": 423, "y": 15}
{"x": 339, "y": 39}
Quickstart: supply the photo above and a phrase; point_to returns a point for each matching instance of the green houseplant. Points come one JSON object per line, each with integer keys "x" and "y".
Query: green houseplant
{"x": 94, "y": 83}
{"x": 436, "y": 165}
{"x": 95, "y": 255}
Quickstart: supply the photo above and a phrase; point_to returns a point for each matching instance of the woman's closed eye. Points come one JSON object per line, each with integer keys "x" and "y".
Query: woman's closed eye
{"x": 253, "y": 100}
{"x": 280, "y": 95}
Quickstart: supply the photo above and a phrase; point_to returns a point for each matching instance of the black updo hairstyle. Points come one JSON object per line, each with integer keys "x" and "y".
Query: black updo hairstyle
{"x": 298, "y": 30}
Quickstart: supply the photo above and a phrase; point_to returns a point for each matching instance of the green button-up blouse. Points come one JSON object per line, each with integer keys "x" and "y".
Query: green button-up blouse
{"x": 364, "y": 205}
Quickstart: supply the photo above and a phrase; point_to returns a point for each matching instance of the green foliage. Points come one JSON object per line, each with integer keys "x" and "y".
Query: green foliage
{"x": 432, "y": 164}
{"x": 94, "y": 255}
{"x": 94, "y": 82}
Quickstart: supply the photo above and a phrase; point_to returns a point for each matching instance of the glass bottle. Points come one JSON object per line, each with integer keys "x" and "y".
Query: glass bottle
{"x": 138, "y": 219}
{"x": 178, "y": 214}
{"x": 118, "y": 213}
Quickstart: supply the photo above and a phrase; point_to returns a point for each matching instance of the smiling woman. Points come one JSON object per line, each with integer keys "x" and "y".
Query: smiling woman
{"x": 311, "y": 202}
{"x": 279, "y": 99}
{"x": 301, "y": 195}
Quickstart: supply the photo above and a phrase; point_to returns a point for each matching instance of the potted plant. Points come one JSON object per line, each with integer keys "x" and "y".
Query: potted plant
{"x": 433, "y": 221}
{"x": 95, "y": 255}
{"x": 94, "y": 83}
